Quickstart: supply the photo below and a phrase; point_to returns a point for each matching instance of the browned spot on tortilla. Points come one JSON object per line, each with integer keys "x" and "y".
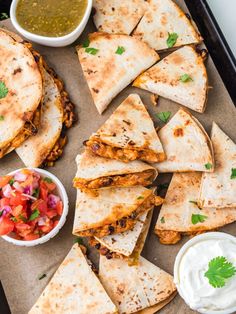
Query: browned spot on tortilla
{"x": 176, "y": 59}
{"x": 95, "y": 90}
{"x": 18, "y": 70}
{"x": 178, "y": 132}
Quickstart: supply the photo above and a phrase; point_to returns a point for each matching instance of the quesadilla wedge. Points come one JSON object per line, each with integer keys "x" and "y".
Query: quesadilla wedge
{"x": 123, "y": 137}
{"x": 21, "y": 92}
{"x": 181, "y": 77}
{"x": 111, "y": 62}
{"x": 181, "y": 215}
{"x": 165, "y": 25}
{"x": 113, "y": 211}
{"x": 186, "y": 144}
{"x": 127, "y": 245}
{"x": 57, "y": 115}
{"x": 118, "y": 17}
{"x": 218, "y": 189}
{"x": 74, "y": 289}
{"x": 95, "y": 172}
{"x": 136, "y": 288}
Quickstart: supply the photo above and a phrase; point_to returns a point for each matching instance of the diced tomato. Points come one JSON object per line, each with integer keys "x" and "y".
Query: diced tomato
{"x": 18, "y": 199}
{"x": 43, "y": 191}
{"x": 55, "y": 223}
{"x": 31, "y": 236}
{"x": 6, "y": 225}
{"x": 47, "y": 228}
{"x": 4, "y": 180}
{"x": 16, "y": 211}
{"x": 59, "y": 208}
{"x": 4, "y": 202}
{"x": 41, "y": 205}
{"x": 23, "y": 229}
{"x": 51, "y": 213}
{"x": 49, "y": 186}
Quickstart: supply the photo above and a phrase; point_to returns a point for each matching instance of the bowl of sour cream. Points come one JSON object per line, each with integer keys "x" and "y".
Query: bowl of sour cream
{"x": 205, "y": 273}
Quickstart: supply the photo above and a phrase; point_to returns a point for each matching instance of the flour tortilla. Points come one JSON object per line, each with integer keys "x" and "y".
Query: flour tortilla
{"x": 20, "y": 73}
{"x": 108, "y": 73}
{"x": 134, "y": 288}
{"x": 164, "y": 17}
{"x": 124, "y": 130}
{"x": 181, "y": 203}
{"x": 74, "y": 289}
{"x": 217, "y": 188}
{"x": 118, "y": 17}
{"x": 35, "y": 149}
{"x": 164, "y": 79}
{"x": 186, "y": 144}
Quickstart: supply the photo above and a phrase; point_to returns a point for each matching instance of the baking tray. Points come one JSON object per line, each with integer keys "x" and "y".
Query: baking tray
{"x": 20, "y": 267}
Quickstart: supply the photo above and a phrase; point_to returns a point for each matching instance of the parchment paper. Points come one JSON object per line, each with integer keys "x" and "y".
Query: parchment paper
{"x": 21, "y": 266}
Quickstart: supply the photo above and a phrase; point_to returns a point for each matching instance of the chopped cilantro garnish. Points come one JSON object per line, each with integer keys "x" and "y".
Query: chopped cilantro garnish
{"x": 196, "y": 218}
{"x": 162, "y": 220}
{"x": 3, "y": 90}
{"x": 23, "y": 218}
{"x": 233, "y": 173}
{"x": 120, "y": 50}
{"x": 185, "y": 78}
{"x": 40, "y": 277}
{"x": 11, "y": 182}
{"x": 1, "y": 212}
{"x": 47, "y": 179}
{"x": 86, "y": 43}
{"x": 92, "y": 51}
{"x": 78, "y": 240}
{"x": 208, "y": 166}
{"x": 171, "y": 40}
{"x": 35, "y": 214}
{"x": 4, "y": 16}
{"x": 164, "y": 116}
{"x": 1, "y": 118}
{"x": 13, "y": 219}
{"x": 35, "y": 193}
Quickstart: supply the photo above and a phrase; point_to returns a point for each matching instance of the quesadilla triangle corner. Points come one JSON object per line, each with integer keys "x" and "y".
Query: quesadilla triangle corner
{"x": 110, "y": 62}
{"x": 180, "y": 214}
{"x": 74, "y": 288}
{"x": 95, "y": 172}
{"x": 136, "y": 288}
{"x": 219, "y": 188}
{"x": 22, "y": 91}
{"x": 163, "y": 18}
{"x": 181, "y": 76}
{"x": 114, "y": 210}
{"x": 118, "y": 17}
{"x": 124, "y": 138}
{"x": 186, "y": 144}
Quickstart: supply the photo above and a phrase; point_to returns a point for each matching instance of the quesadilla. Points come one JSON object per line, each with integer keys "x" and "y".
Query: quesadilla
{"x": 186, "y": 144}
{"x": 180, "y": 213}
{"x": 118, "y": 17}
{"x": 165, "y": 25}
{"x": 181, "y": 77}
{"x": 21, "y": 92}
{"x": 57, "y": 115}
{"x": 218, "y": 189}
{"x": 95, "y": 172}
{"x": 136, "y": 288}
{"x": 124, "y": 138}
{"x": 74, "y": 289}
{"x": 114, "y": 210}
{"x": 127, "y": 245}
{"x": 112, "y": 62}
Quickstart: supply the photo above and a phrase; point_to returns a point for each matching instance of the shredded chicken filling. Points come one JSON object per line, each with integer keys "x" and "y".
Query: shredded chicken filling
{"x": 172, "y": 237}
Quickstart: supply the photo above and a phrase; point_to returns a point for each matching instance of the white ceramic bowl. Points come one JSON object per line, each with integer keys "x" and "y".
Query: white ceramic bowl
{"x": 51, "y": 41}
{"x": 190, "y": 243}
{"x": 63, "y": 195}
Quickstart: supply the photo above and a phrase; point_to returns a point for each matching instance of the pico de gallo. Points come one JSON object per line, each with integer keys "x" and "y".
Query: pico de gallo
{"x": 29, "y": 205}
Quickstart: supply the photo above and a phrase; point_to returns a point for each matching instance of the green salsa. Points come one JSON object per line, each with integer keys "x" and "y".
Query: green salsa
{"x": 51, "y": 18}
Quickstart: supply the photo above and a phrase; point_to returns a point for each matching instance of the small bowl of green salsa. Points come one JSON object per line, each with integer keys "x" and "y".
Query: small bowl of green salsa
{"x": 55, "y": 23}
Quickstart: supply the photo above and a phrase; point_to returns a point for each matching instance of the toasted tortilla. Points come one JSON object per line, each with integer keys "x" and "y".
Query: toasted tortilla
{"x": 113, "y": 211}
{"x": 74, "y": 289}
{"x": 35, "y": 149}
{"x": 164, "y": 17}
{"x": 217, "y": 188}
{"x": 124, "y": 138}
{"x": 21, "y": 75}
{"x": 186, "y": 144}
{"x": 108, "y": 72}
{"x": 95, "y": 172}
{"x": 176, "y": 214}
{"x": 164, "y": 79}
{"x": 135, "y": 288}
{"x": 118, "y": 17}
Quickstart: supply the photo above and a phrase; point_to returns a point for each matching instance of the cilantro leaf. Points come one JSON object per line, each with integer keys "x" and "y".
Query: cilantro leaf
{"x": 164, "y": 116}
{"x": 79, "y": 240}
{"x": 196, "y": 218}
{"x": 23, "y": 218}
{"x": 219, "y": 269}
{"x": 13, "y": 219}
{"x": 233, "y": 173}
{"x": 171, "y": 40}
{"x": 1, "y": 212}
{"x": 11, "y": 182}
{"x": 86, "y": 43}
{"x": 92, "y": 51}
{"x": 163, "y": 220}
{"x": 3, "y": 90}
{"x": 208, "y": 166}
{"x": 47, "y": 179}
{"x": 4, "y": 16}
{"x": 1, "y": 118}
{"x": 35, "y": 193}
{"x": 35, "y": 214}
{"x": 120, "y": 50}
{"x": 185, "y": 78}
{"x": 40, "y": 277}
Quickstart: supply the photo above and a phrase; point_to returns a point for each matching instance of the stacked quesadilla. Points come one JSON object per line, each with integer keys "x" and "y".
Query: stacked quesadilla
{"x": 74, "y": 289}
{"x": 186, "y": 144}
{"x": 181, "y": 76}
{"x": 144, "y": 288}
{"x": 110, "y": 62}
{"x": 124, "y": 138}
{"x": 165, "y": 25}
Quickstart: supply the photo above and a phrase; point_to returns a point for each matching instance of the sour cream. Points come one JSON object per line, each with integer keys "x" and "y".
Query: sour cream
{"x": 191, "y": 265}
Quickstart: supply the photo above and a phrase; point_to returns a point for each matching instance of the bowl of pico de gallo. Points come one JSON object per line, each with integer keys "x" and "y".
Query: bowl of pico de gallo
{"x": 33, "y": 206}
